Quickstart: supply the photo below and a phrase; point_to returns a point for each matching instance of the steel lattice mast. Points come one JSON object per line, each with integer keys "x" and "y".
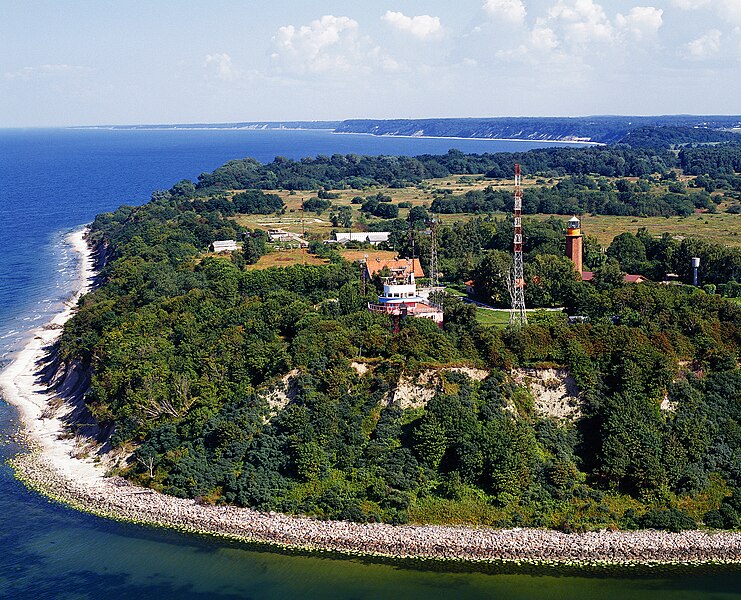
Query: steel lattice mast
{"x": 434, "y": 272}
{"x": 518, "y": 316}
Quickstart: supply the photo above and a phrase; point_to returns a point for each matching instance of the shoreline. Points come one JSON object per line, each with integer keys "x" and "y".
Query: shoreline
{"x": 335, "y": 132}
{"x": 478, "y": 139}
{"x": 58, "y": 468}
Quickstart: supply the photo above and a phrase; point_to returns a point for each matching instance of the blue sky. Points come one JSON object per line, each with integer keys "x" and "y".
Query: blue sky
{"x": 102, "y": 62}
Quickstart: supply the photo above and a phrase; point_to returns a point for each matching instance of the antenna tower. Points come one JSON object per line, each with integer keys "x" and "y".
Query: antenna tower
{"x": 434, "y": 270}
{"x": 518, "y": 316}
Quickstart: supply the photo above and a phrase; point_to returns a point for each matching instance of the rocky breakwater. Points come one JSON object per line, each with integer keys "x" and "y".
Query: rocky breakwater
{"x": 116, "y": 498}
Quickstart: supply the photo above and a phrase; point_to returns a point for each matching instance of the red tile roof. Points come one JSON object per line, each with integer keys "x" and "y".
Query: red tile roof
{"x": 589, "y": 276}
{"x": 375, "y": 265}
{"x": 634, "y": 278}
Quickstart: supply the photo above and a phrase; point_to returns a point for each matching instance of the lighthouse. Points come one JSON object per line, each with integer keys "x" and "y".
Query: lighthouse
{"x": 574, "y": 241}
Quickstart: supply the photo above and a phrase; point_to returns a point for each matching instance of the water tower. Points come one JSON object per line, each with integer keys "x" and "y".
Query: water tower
{"x": 574, "y": 243}
{"x": 695, "y": 267}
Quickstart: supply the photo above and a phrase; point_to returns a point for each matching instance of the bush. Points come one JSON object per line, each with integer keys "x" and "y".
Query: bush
{"x": 713, "y": 519}
{"x": 669, "y": 519}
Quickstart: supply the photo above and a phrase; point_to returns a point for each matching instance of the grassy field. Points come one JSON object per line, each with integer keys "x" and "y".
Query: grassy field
{"x": 492, "y": 318}
{"x": 721, "y": 228}
{"x": 296, "y": 256}
{"x": 285, "y": 258}
{"x": 320, "y": 225}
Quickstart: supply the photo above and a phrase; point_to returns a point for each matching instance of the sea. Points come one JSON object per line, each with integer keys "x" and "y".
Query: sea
{"x": 54, "y": 181}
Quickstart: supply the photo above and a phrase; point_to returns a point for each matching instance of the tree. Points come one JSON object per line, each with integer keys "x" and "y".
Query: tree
{"x": 184, "y": 189}
{"x": 418, "y": 216}
{"x": 629, "y": 251}
{"x": 257, "y": 202}
{"x": 550, "y": 280}
{"x": 608, "y": 276}
{"x": 254, "y": 246}
{"x": 491, "y": 277}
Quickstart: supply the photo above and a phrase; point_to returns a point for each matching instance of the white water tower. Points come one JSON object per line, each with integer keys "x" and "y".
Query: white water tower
{"x": 695, "y": 267}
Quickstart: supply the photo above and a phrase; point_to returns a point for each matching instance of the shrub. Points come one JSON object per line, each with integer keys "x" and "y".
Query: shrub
{"x": 670, "y": 519}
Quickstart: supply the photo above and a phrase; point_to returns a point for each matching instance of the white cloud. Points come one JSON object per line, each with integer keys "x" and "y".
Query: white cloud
{"x": 420, "y": 26}
{"x": 543, "y": 38}
{"x": 583, "y": 21}
{"x": 641, "y": 21}
{"x": 707, "y": 45}
{"x": 690, "y": 4}
{"x": 220, "y": 64}
{"x": 731, "y": 9}
{"x": 728, "y": 9}
{"x": 328, "y": 44}
{"x": 509, "y": 11}
{"x": 47, "y": 70}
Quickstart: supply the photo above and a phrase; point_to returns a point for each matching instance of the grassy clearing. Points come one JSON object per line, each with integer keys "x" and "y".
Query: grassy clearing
{"x": 455, "y": 292}
{"x": 285, "y": 258}
{"x": 492, "y": 318}
{"x": 298, "y": 256}
{"x": 721, "y": 228}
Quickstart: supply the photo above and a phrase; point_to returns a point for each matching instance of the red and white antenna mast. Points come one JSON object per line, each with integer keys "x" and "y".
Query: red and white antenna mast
{"x": 518, "y": 316}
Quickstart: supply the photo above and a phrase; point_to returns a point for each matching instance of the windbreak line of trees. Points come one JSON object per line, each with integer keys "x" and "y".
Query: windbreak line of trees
{"x": 353, "y": 171}
{"x": 666, "y": 136}
{"x": 184, "y": 351}
{"x": 583, "y": 194}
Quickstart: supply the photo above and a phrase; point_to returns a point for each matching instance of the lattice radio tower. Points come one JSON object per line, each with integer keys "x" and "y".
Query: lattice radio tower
{"x": 434, "y": 271}
{"x": 518, "y": 316}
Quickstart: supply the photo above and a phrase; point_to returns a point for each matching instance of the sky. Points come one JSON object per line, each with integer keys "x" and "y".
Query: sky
{"x": 94, "y": 62}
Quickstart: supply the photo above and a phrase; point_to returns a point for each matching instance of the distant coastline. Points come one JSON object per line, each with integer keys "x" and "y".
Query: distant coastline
{"x": 580, "y": 142}
{"x": 483, "y": 139}
{"x": 62, "y": 468}
{"x": 588, "y": 130}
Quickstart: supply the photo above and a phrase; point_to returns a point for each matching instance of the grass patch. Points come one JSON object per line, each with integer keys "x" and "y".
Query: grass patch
{"x": 722, "y": 228}
{"x": 492, "y": 318}
{"x": 286, "y": 258}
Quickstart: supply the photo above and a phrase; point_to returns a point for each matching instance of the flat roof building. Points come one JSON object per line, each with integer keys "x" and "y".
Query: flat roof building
{"x": 223, "y": 246}
{"x": 371, "y": 237}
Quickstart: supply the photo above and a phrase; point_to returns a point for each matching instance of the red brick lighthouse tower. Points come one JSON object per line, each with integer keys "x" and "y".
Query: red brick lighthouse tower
{"x": 574, "y": 242}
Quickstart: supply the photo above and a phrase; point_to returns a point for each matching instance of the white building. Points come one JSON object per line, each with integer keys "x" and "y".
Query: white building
{"x": 280, "y": 235}
{"x": 372, "y": 237}
{"x": 220, "y": 246}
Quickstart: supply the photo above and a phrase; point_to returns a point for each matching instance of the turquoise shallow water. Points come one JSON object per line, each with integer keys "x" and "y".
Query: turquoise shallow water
{"x": 54, "y": 181}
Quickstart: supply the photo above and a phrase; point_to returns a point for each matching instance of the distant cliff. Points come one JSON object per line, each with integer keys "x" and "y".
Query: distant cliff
{"x": 602, "y": 129}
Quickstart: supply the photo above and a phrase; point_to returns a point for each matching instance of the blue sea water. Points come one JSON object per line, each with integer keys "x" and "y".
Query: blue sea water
{"x": 54, "y": 181}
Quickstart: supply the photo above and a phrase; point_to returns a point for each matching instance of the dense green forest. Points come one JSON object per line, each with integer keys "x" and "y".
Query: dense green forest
{"x": 353, "y": 171}
{"x": 186, "y": 351}
{"x": 581, "y": 194}
{"x": 665, "y": 136}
